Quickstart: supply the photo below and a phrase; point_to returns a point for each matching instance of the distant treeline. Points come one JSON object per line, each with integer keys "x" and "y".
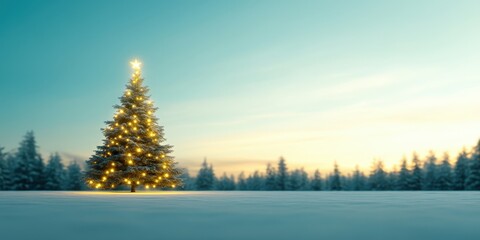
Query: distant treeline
{"x": 431, "y": 174}
{"x": 26, "y": 170}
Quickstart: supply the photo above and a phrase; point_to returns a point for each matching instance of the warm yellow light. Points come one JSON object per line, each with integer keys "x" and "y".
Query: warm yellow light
{"x": 149, "y": 112}
{"x": 129, "y": 154}
{"x": 129, "y": 182}
{"x": 135, "y": 64}
{"x": 173, "y": 186}
{"x": 107, "y": 172}
{"x": 113, "y": 164}
{"x": 164, "y": 166}
{"x": 129, "y": 123}
{"x": 149, "y": 120}
{"x": 156, "y": 180}
{"x": 119, "y": 136}
{"x": 112, "y": 170}
{"x": 125, "y": 131}
{"x": 138, "y": 182}
{"x": 139, "y": 149}
{"x": 113, "y": 186}
{"x": 121, "y": 110}
{"x": 143, "y": 174}
{"x": 166, "y": 175}
{"x": 154, "y": 186}
{"x": 91, "y": 182}
{"x": 147, "y": 187}
{"x": 128, "y": 93}
{"x": 116, "y": 124}
{"x": 130, "y": 162}
{"x": 163, "y": 155}
{"x": 149, "y": 155}
{"x": 125, "y": 180}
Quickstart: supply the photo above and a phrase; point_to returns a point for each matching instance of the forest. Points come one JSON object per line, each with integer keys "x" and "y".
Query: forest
{"x": 25, "y": 169}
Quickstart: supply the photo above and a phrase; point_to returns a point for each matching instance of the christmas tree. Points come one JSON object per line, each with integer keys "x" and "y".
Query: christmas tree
{"x": 132, "y": 153}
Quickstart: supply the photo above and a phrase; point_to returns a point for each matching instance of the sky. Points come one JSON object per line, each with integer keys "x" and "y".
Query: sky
{"x": 242, "y": 83}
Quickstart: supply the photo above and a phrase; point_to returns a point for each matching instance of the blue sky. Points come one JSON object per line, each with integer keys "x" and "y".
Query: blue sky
{"x": 244, "y": 82}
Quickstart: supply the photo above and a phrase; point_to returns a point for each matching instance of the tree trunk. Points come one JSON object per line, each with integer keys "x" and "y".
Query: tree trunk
{"x": 132, "y": 187}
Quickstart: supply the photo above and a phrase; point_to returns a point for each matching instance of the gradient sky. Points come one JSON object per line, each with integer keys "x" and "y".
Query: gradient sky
{"x": 244, "y": 82}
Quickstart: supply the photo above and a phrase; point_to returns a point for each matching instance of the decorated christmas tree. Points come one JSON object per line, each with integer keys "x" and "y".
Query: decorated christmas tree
{"x": 132, "y": 153}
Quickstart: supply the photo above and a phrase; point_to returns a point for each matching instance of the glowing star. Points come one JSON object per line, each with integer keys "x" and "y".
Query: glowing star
{"x": 135, "y": 64}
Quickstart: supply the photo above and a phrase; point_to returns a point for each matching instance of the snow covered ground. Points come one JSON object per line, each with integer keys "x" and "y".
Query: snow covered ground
{"x": 239, "y": 215}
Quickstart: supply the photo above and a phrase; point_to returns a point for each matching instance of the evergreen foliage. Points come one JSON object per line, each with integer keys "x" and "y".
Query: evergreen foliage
{"x": 205, "y": 177}
{"x": 473, "y": 179}
{"x": 416, "y": 177}
{"x": 461, "y": 171}
{"x": 335, "y": 182}
{"x": 132, "y": 153}
{"x": 316, "y": 183}
{"x": 54, "y": 173}
{"x": 444, "y": 177}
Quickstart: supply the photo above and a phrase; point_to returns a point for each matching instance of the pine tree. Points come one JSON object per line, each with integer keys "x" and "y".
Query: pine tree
{"x": 271, "y": 178}
{"x": 416, "y": 176}
{"x": 282, "y": 175}
{"x": 132, "y": 153}
{"x": 188, "y": 182}
{"x": 28, "y": 170}
{"x": 335, "y": 182}
{"x": 430, "y": 172}
{"x": 444, "y": 176}
{"x": 225, "y": 183}
{"x": 378, "y": 177}
{"x": 10, "y": 164}
{"x": 316, "y": 182}
{"x": 461, "y": 171}
{"x": 392, "y": 179}
{"x": 54, "y": 173}
{"x": 3, "y": 170}
{"x": 242, "y": 182}
{"x": 256, "y": 182}
{"x": 403, "y": 182}
{"x": 473, "y": 179}
{"x": 74, "y": 177}
{"x": 358, "y": 180}
{"x": 205, "y": 177}
{"x": 298, "y": 180}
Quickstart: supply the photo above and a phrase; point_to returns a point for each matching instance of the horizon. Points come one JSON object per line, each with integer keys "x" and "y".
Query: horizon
{"x": 312, "y": 82}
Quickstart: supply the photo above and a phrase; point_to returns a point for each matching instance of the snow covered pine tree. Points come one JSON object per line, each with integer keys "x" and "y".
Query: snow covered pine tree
{"x": 132, "y": 153}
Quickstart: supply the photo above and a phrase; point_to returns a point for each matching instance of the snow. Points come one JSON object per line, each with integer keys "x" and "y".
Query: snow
{"x": 239, "y": 215}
